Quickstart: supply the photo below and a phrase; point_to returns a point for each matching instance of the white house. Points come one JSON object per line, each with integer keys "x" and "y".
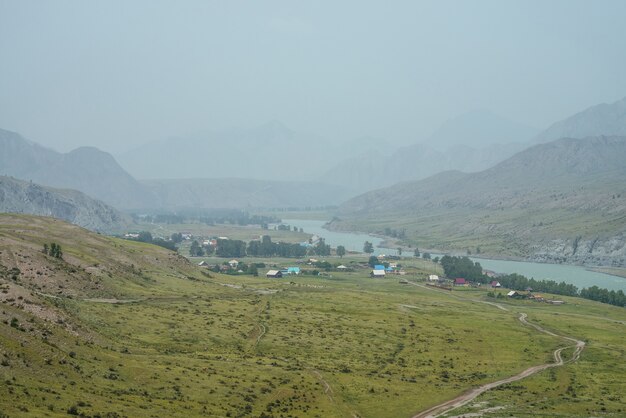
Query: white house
{"x": 377, "y": 273}
{"x": 233, "y": 263}
{"x": 433, "y": 278}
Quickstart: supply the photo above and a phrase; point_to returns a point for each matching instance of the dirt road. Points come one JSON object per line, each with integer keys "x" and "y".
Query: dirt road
{"x": 471, "y": 394}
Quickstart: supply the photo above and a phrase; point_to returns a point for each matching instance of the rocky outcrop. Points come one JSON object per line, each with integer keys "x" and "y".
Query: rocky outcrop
{"x": 18, "y": 196}
{"x": 589, "y": 252}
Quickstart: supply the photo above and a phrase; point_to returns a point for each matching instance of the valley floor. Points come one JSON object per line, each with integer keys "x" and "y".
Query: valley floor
{"x": 133, "y": 330}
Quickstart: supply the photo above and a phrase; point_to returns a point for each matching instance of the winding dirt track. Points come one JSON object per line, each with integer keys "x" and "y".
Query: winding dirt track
{"x": 471, "y": 394}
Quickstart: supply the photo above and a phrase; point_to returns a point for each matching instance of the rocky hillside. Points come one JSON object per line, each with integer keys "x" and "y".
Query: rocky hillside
{"x": 564, "y": 200}
{"x": 602, "y": 119}
{"x": 86, "y": 169}
{"x": 17, "y": 196}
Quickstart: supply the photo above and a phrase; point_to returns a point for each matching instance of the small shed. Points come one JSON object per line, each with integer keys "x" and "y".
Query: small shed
{"x": 513, "y": 294}
{"x": 377, "y": 273}
{"x": 433, "y": 278}
{"x": 341, "y": 267}
{"x": 276, "y": 274}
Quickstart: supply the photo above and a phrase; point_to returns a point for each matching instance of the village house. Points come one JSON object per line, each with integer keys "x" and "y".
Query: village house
{"x": 537, "y": 297}
{"x": 495, "y": 284}
{"x": 433, "y": 278}
{"x": 293, "y": 270}
{"x": 233, "y": 263}
{"x": 460, "y": 282}
{"x": 377, "y": 273}
{"x": 276, "y": 274}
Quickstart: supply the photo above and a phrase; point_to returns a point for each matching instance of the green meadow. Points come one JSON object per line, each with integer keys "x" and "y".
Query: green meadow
{"x": 165, "y": 338}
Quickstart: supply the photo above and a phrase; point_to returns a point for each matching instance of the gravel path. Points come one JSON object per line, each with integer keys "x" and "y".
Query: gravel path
{"x": 471, "y": 394}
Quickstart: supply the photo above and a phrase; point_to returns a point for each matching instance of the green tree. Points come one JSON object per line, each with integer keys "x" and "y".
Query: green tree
{"x": 55, "y": 250}
{"x": 196, "y": 250}
{"x": 400, "y": 251}
{"x": 368, "y": 247}
{"x": 416, "y": 253}
{"x": 341, "y": 251}
{"x": 144, "y": 236}
{"x": 373, "y": 261}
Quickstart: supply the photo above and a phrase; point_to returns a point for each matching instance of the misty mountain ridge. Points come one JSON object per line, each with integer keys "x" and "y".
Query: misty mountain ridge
{"x": 97, "y": 174}
{"x": 479, "y": 129}
{"x": 470, "y": 142}
{"x": 87, "y": 169}
{"x": 601, "y": 119}
{"x": 520, "y": 181}
{"x": 270, "y": 151}
{"x": 18, "y": 196}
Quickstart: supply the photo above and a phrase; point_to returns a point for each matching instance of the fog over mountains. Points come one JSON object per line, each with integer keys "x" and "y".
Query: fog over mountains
{"x": 210, "y": 170}
{"x": 270, "y": 152}
{"x": 602, "y": 119}
{"x": 87, "y": 169}
{"x": 97, "y": 174}
{"x": 586, "y": 170}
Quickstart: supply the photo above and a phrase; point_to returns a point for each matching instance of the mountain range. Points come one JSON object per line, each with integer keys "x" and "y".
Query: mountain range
{"x": 270, "y": 152}
{"x": 87, "y": 169}
{"x": 97, "y": 174}
{"x": 560, "y": 201}
{"x": 470, "y": 142}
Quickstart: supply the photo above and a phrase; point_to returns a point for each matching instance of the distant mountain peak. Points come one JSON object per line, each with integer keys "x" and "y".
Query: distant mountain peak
{"x": 479, "y": 128}
{"x": 601, "y": 119}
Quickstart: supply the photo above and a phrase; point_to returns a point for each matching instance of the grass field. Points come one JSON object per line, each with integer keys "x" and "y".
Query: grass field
{"x": 164, "y": 339}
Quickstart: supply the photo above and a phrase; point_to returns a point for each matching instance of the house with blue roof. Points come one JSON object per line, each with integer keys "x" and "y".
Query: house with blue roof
{"x": 293, "y": 270}
{"x": 379, "y": 267}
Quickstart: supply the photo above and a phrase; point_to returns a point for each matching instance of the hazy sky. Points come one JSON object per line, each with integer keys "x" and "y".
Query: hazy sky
{"x": 116, "y": 74}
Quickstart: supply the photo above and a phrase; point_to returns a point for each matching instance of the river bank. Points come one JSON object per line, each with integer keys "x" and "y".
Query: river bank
{"x": 580, "y": 276}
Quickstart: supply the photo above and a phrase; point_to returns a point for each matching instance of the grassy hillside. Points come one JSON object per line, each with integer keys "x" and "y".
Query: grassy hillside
{"x": 119, "y": 328}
